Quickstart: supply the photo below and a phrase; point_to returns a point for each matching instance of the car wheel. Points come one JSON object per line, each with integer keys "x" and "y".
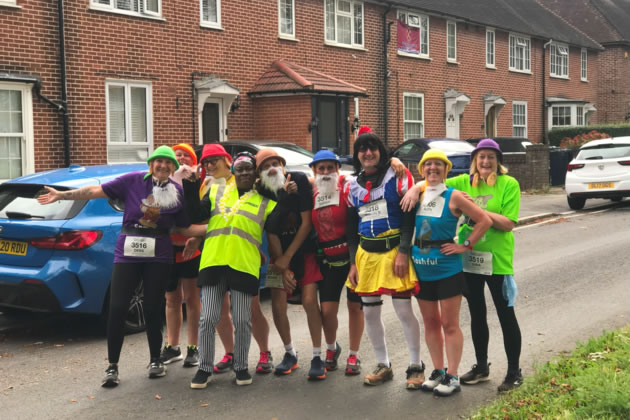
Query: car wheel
{"x": 134, "y": 320}
{"x": 616, "y": 199}
{"x": 576, "y": 203}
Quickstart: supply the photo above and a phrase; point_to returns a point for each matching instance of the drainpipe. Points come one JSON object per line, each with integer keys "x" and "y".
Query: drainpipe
{"x": 544, "y": 93}
{"x": 64, "y": 86}
{"x": 386, "y": 39}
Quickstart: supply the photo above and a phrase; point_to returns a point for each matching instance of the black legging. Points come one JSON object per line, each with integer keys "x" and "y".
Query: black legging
{"x": 125, "y": 279}
{"x": 479, "y": 322}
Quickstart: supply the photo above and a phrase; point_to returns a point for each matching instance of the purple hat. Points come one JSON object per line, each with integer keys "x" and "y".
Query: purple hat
{"x": 488, "y": 144}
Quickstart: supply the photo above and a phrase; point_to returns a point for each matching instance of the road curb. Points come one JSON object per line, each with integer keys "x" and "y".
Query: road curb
{"x": 529, "y": 219}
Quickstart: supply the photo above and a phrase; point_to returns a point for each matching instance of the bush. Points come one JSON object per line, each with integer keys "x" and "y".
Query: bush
{"x": 556, "y": 135}
{"x": 577, "y": 141}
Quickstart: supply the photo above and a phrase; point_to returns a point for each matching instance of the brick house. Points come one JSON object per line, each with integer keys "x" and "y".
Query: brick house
{"x": 141, "y": 73}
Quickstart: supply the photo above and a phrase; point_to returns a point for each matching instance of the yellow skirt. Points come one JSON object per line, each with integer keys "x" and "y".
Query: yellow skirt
{"x": 376, "y": 273}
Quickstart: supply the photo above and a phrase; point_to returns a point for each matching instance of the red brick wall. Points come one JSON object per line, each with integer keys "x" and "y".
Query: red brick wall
{"x": 283, "y": 118}
{"x": 614, "y": 85}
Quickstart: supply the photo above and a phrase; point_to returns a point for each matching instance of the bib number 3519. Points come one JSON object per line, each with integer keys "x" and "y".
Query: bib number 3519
{"x": 477, "y": 262}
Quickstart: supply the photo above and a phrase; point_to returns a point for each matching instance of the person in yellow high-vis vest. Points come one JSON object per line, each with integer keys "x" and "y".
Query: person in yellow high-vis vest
{"x": 230, "y": 260}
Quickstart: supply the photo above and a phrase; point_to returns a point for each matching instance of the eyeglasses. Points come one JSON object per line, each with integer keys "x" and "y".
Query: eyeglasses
{"x": 364, "y": 148}
{"x": 211, "y": 161}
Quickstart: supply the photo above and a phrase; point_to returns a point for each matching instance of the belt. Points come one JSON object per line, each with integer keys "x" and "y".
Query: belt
{"x": 145, "y": 231}
{"x": 420, "y": 243}
{"x": 335, "y": 242}
{"x": 380, "y": 244}
{"x": 337, "y": 258}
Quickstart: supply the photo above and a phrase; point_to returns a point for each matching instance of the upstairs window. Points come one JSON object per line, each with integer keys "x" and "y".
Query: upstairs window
{"x": 413, "y": 34}
{"x": 130, "y": 7}
{"x": 451, "y": 41}
{"x": 520, "y": 54}
{"x": 8, "y": 3}
{"x": 211, "y": 13}
{"x": 584, "y": 66}
{"x": 344, "y": 22}
{"x": 286, "y": 18}
{"x": 490, "y": 42}
{"x": 559, "y": 60}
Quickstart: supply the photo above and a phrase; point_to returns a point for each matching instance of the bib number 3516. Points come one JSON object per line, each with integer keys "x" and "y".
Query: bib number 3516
{"x": 478, "y": 262}
{"x": 139, "y": 246}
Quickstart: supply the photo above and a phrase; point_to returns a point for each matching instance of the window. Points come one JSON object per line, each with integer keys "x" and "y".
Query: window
{"x": 421, "y": 24}
{"x": 559, "y": 60}
{"x": 567, "y": 115}
{"x": 561, "y": 116}
{"x": 16, "y": 130}
{"x": 286, "y": 18}
{"x": 211, "y": 13}
{"x": 344, "y": 22}
{"x": 451, "y": 41}
{"x": 584, "y": 62}
{"x": 146, "y": 8}
{"x": 129, "y": 121}
{"x": 490, "y": 48}
{"x": 520, "y": 52}
{"x": 413, "y": 108}
{"x": 519, "y": 119}
{"x": 579, "y": 115}
{"x": 8, "y": 3}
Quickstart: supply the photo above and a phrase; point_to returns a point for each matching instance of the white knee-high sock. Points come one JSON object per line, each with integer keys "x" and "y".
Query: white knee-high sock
{"x": 411, "y": 327}
{"x": 375, "y": 329}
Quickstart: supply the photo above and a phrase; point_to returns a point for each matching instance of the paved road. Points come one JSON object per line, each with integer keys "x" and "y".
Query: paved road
{"x": 572, "y": 275}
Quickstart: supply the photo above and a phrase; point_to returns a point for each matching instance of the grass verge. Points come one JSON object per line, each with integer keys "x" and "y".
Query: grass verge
{"x": 593, "y": 382}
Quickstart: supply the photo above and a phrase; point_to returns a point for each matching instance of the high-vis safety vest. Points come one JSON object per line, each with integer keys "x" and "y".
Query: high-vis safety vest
{"x": 235, "y": 238}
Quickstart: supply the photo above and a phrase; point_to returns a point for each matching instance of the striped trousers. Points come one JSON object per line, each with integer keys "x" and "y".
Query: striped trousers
{"x": 211, "y": 303}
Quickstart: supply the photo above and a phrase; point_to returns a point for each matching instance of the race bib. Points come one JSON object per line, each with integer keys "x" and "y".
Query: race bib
{"x": 325, "y": 200}
{"x": 373, "y": 211}
{"x": 477, "y": 262}
{"x": 139, "y": 246}
{"x": 433, "y": 208}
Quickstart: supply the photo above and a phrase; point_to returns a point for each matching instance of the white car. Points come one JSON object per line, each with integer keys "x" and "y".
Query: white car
{"x": 601, "y": 169}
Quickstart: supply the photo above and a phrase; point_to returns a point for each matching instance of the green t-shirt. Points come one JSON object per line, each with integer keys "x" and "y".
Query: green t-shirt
{"x": 505, "y": 199}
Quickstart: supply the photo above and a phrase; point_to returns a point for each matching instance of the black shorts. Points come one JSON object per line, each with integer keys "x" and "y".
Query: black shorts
{"x": 183, "y": 270}
{"x": 334, "y": 279}
{"x": 442, "y": 289}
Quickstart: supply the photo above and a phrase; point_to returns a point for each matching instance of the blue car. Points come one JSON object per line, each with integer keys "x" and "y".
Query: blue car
{"x": 58, "y": 257}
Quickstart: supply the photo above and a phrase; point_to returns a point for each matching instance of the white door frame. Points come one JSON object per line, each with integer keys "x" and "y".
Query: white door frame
{"x": 222, "y": 118}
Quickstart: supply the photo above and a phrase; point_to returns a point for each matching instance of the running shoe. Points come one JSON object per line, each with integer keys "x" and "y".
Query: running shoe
{"x": 157, "y": 369}
{"x": 243, "y": 377}
{"x": 111, "y": 377}
{"x": 415, "y": 376}
{"x": 448, "y": 386}
{"x": 353, "y": 365}
{"x": 170, "y": 354}
{"x": 332, "y": 356}
{"x": 381, "y": 374}
{"x": 200, "y": 380}
{"x": 475, "y": 375}
{"x": 192, "y": 357}
{"x": 318, "y": 369}
{"x": 265, "y": 363}
{"x": 289, "y": 364}
{"x": 226, "y": 364}
{"x": 436, "y": 378}
{"x": 512, "y": 380}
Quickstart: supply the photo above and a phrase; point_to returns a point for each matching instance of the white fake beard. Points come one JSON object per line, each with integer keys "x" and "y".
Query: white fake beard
{"x": 326, "y": 184}
{"x": 165, "y": 197}
{"x": 273, "y": 183}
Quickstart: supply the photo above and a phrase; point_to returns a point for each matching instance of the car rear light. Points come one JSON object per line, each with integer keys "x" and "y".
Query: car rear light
{"x": 624, "y": 162}
{"x": 573, "y": 166}
{"x": 72, "y": 240}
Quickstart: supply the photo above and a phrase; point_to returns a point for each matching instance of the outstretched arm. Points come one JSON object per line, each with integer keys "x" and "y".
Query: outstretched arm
{"x": 83, "y": 193}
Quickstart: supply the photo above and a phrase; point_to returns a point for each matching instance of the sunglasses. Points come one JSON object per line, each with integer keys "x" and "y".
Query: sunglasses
{"x": 211, "y": 161}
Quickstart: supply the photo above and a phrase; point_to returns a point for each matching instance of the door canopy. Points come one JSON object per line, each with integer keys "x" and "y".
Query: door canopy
{"x": 455, "y": 102}
{"x": 215, "y": 88}
{"x": 490, "y": 101}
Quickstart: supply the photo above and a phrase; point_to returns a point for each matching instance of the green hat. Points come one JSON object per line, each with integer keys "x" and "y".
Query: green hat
{"x": 164, "y": 152}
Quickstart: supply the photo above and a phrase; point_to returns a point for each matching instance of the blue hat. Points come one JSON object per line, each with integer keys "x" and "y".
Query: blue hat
{"x": 324, "y": 155}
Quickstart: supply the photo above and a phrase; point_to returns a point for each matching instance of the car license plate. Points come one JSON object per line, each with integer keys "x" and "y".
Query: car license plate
{"x": 599, "y": 185}
{"x": 13, "y": 247}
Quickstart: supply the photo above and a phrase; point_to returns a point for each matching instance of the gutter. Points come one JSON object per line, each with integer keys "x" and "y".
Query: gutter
{"x": 386, "y": 39}
{"x": 64, "y": 86}
{"x": 544, "y": 93}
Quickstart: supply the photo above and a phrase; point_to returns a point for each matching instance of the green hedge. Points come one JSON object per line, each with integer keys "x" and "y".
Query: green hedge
{"x": 613, "y": 130}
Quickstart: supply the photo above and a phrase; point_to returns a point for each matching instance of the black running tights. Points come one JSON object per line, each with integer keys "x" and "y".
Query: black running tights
{"x": 125, "y": 279}
{"x": 479, "y": 323}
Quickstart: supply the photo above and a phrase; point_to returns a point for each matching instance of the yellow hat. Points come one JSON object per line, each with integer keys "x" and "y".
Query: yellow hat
{"x": 434, "y": 154}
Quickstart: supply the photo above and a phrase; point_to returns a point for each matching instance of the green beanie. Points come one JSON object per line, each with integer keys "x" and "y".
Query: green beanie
{"x": 164, "y": 152}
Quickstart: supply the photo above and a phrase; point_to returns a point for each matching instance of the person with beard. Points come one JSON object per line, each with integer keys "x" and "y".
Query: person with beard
{"x": 379, "y": 238}
{"x": 292, "y": 250}
{"x": 230, "y": 260}
{"x": 144, "y": 251}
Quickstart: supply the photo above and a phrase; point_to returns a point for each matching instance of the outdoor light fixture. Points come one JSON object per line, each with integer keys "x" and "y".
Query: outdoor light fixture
{"x": 356, "y": 124}
{"x": 236, "y": 104}
{"x": 313, "y": 124}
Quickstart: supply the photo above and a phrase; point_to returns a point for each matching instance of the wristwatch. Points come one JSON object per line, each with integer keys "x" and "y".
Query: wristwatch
{"x": 468, "y": 245}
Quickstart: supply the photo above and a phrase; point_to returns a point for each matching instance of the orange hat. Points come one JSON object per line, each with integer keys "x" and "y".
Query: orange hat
{"x": 188, "y": 149}
{"x": 266, "y": 154}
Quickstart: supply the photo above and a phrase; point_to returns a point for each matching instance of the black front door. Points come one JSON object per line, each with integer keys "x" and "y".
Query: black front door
{"x": 331, "y": 129}
{"x": 210, "y": 123}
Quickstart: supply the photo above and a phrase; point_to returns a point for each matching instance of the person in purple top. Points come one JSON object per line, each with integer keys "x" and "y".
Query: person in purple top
{"x": 143, "y": 253}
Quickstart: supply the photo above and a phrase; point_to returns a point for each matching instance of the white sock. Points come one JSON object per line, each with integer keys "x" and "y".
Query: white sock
{"x": 289, "y": 349}
{"x": 411, "y": 328}
{"x": 375, "y": 329}
{"x": 353, "y": 353}
{"x": 331, "y": 347}
{"x": 317, "y": 352}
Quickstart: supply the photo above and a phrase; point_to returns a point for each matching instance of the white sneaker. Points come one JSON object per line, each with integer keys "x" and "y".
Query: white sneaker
{"x": 449, "y": 386}
{"x": 434, "y": 380}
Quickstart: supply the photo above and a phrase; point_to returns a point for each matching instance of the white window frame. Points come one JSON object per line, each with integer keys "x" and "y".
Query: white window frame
{"x": 421, "y": 122}
{"x": 516, "y": 104}
{"x": 28, "y": 144}
{"x": 280, "y": 33}
{"x": 424, "y": 32}
{"x": 336, "y": 13}
{"x": 584, "y": 65}
{"x": 449, "y": 58}
{"x": 110, "y": 6}
{"x": 208, "y": 23}
{"x": 524, "y": 43}
{"x": 127, "y": 85}
{"x": 579, "y": 116}
{"x": 576, "y": 120}
{"x": 10, "y": 3}
{"x": 559, "y": 60}
{"x": 491, "y": 42}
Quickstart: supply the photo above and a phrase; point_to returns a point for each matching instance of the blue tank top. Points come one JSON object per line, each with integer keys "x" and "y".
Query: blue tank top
{"x": 430, "y": 263}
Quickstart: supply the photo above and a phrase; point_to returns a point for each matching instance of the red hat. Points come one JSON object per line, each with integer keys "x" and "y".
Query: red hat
{"x": 212, "y": 150}
{"x": 188, "y": 149}
{"x": 364, "y": 129}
